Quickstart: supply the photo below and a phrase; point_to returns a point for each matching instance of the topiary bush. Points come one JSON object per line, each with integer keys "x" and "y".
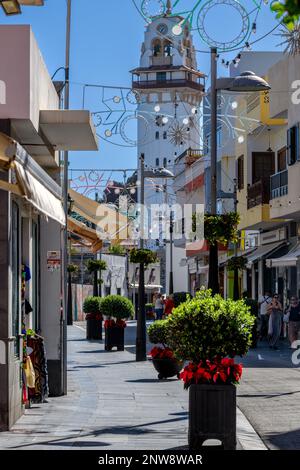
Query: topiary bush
{"x": 116, "y": 306}
{"x": 158, "y": 332}
{"x": 208, "y": 326}
{"x": 91, "y": 305}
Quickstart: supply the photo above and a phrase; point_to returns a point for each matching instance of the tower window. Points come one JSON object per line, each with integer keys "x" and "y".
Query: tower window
{"x": 165, "y": 163}
{"x": 157, "y": 162}
{"x": 161, "y": 76}
{"x": 165, "y": 135}
{"x": 157, "y": 135}
{"x": 167, "y": 48}
{"x": 157, "y": 49}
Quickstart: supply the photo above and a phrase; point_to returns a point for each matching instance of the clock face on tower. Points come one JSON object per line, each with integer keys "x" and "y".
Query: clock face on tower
{"x": 162, "y": 28}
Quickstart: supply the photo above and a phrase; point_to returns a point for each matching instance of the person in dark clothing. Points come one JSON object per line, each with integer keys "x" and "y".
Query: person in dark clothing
{"x": 294, "y": 320}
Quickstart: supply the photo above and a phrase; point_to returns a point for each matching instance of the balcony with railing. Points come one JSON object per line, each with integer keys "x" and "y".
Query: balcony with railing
{"x": 279, "y": 184}
{"x": 161, "y": 60}
{"x": 258, "y": 193}
{"x": 173, "y": 83}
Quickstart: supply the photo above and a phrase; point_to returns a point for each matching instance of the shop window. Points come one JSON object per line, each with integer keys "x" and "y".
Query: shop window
{"x": 240, "y": 172}
{"x": 281, "y": 159}
{"x": 118, "y": 290}
{"x": 16, "y": 271}
{"x": 293, "y": 145}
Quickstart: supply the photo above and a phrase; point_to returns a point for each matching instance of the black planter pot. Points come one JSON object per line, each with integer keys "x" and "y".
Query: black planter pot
{"x": 114, "y": 337}
{"x": 93, "y": 329}
{"x": 212, "y": 415}
{"x": 167, "y": 367}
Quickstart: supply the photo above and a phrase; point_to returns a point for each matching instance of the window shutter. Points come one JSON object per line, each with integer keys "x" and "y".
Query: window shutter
{"x": 288, "y": 149}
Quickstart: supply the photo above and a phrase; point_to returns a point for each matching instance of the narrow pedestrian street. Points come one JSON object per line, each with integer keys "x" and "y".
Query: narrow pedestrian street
{"x": 113, "y": 403}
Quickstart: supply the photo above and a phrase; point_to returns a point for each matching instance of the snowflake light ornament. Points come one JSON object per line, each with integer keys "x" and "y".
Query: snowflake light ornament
{"x": 178, "y": 134}
{"x": 291, "y": 39}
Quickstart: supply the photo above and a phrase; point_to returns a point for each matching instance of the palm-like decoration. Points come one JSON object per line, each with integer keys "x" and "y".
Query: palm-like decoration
{"x": 178, "y": 134}
{"x": 291, "y": 39}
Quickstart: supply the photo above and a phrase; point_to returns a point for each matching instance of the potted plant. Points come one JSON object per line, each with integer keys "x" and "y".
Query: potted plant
{"x": 91, "y": 306}
{"x": 116, "y": 309}
{"x": 95, "y": 266}
{"x": 163, "y": 357}
{"x": 149, "y": 311}
{"x": 210, "y": 331}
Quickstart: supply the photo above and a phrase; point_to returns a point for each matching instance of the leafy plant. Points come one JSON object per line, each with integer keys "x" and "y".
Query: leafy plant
{"x": 91, "y": 305}
{"x": 209, "y": 326}
{"x": 237, "y": 262}
{"x": 72, "y": 268}
{"x": 158, "y": 332}
{"x": 219, "y": 228}
{"x": 117, "y": 250}
{"x": 96, "y": 265}
{"x": 288, "y": 11}
{"x": 116, "y": 306}
{"x": 142, "y": 256}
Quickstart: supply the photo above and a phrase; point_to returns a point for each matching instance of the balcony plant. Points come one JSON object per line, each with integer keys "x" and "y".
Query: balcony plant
{"x": 116, "y": 309}
{"x": 209, "y": 332}
{"x": 91, "y": 307}
{"x": 162, "y": 356}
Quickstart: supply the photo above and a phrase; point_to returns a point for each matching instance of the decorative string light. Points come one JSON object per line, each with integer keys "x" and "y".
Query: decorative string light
{"x": 254, "y": 27}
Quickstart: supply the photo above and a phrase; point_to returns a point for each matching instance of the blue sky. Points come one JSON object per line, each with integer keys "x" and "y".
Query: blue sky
{"x": 106, "y": 41}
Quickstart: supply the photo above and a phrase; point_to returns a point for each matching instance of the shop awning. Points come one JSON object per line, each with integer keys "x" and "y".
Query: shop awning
{"x": 108, "y": 220}
{"x": 290, "y": 259}
{"x": 31, "y": 181}
{"x": 85, "y": 233}
{"x": 69, "y": 129}
{"x": 263, "y": 251}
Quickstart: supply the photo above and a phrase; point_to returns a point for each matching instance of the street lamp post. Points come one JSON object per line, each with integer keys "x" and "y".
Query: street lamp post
{"x": 171, "y": 279}
{"x": 141, "y": 315}
{"x": 245, "y": 82}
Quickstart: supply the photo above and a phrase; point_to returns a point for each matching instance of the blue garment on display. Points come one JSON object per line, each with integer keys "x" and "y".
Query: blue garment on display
{"x": 27, "y": 273}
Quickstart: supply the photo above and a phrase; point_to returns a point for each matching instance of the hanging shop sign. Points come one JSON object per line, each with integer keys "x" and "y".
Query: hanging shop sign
{"x": 53, "y": 260}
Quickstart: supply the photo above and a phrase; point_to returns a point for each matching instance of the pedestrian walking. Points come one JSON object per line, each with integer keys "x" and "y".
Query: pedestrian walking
{"x": 275, "y": 321}
{"x": 292, "y": 316}
{"x": 264, "y": 301}
{"x": 169, "y": 305}
{"x": 159, "y": 307}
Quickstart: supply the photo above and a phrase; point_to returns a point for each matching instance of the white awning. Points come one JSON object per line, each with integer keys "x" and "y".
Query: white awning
{"x": 290, "y": 259}
{"x": 39, "y": 196}
{"x": 262, "y": 251}
{"x": 69, "y": 129}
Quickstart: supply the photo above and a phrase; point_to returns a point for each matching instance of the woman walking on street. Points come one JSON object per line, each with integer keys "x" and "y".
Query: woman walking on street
{"x": 275, "y": 321}
{"x": 293, "y": 313}
{"x": 159, "y": 307}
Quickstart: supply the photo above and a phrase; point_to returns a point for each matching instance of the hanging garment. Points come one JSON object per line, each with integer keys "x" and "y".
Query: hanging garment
{"x": 39, "y": 361}
{"x": 29, "y": 373}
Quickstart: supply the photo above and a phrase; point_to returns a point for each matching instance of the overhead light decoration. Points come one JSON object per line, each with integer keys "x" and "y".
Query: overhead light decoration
{"x": 165, "y": 120}
{"x": 185, "y": 121}
{"x": 157, "y": 108}
{"x": 234, "y": 105}
{"x": 291, "y": 39}
{"x": 270, "y": 148}
{"x": 254, "y": 27}
{"x": 241, "y": 139}
{"x": 247, "y": 46}
{"x": 178, "y": 134}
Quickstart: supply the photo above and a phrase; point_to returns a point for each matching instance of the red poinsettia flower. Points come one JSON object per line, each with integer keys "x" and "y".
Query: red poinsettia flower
{"x": 217, "y": 371}
{"x": 161, "y": 353}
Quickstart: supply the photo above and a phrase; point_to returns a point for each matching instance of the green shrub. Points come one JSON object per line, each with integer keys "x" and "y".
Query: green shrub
{"x": 158, "y": 332}
{"x": 180, "y": 297}
{"x": 207, "y": 326}
{"x": 116, "y": 306}
{"x": 91, "y": 305}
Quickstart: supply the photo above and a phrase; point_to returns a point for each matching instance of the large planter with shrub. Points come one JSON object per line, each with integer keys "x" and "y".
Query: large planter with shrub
{"x": 163, "y": 359}
{"x": 116, "y": 310}
{"x": 91, "y": 307}
{"x": 209, "y": 332}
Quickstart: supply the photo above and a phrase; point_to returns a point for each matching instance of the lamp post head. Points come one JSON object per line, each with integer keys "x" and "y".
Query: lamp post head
{"x": 248, "y": 81}
{"x": 158, "y": 173}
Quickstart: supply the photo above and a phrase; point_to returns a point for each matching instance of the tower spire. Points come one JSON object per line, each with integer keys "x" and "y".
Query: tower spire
{"x": 169, "y": 7}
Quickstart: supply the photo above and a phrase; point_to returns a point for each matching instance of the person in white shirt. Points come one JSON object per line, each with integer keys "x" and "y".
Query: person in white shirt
{"x": 159, "y": 307}
{"x": 264, "y": 301}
